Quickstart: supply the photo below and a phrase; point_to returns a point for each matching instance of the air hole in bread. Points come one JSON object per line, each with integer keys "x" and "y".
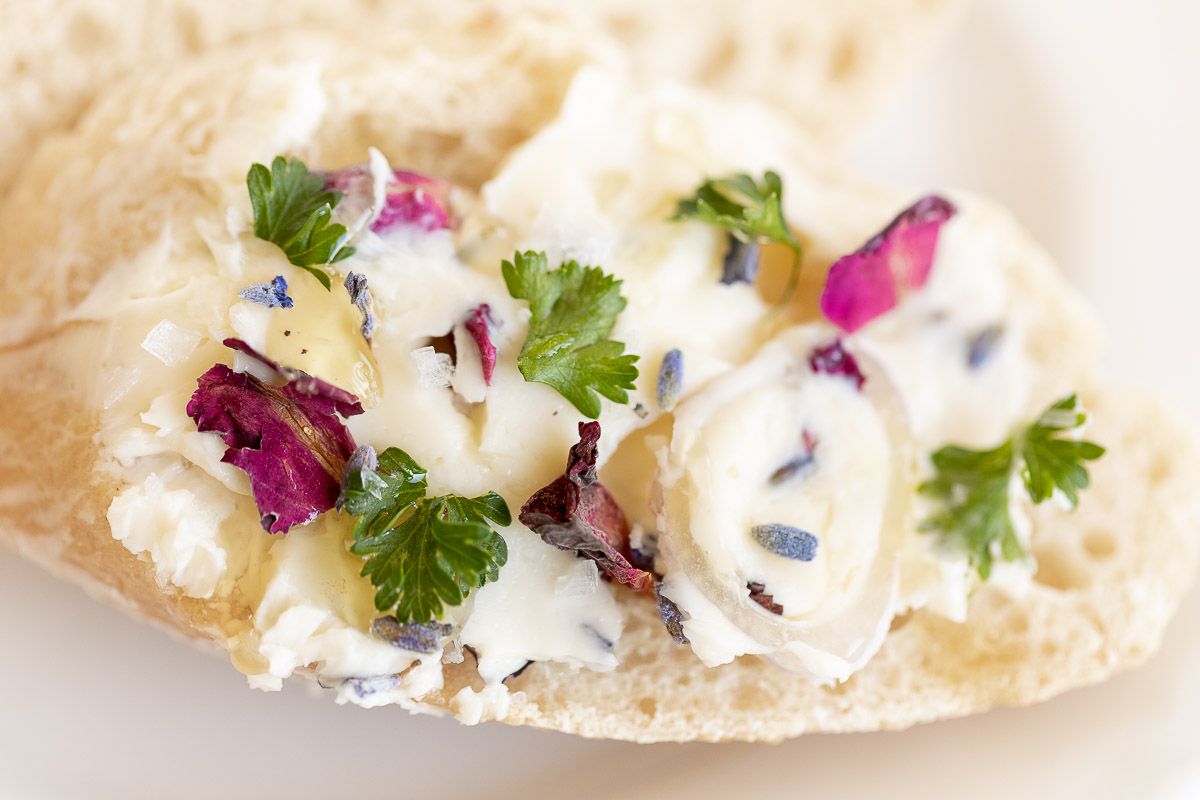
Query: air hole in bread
{"x": 86, "y": 34}
{"x": 648, "y": 706}
{"x": 1100, "y": 544}
{"x": 843, "y": 62}
{"x": 900, "y": 621}
{"x": 1059, "y": 569}
{"x": 748, "y": 698}
{"x": 1018, "y": 623}
{"x": 722, "y": 59}
{"x": 792, "y": 44}
{"x": 1160, "y": 470}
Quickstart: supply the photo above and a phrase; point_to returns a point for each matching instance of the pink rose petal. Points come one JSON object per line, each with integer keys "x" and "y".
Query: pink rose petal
{"x": 832, "y": 359}
{"x": 479, "y": 325}
{"x": 870, "y": 282}
{"x": 416, "y": 200}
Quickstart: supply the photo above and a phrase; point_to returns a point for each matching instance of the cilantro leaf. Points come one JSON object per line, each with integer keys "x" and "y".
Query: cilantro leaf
{"x": 750, "y": 210}
{"x": 422, "y": 552}
{"x": 974, "y": 485}
{"x": 574, "y": 310}
{"x": 293, "y": 209}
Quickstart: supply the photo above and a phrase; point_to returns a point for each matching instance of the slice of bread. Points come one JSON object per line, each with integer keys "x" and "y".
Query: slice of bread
{"x": 172, "y": 144}
{"x": 826, "y": 60}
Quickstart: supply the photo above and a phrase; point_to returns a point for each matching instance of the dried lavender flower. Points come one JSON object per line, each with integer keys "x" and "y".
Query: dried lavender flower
{"x": 360, "y": 295}
{"x": 670, "y": 379}
{"x": 741, "y": 261}
{"x": 786, "y": 541}
{"x": 418, "y": 637}
{"x": 671, "y": 615}
{"x": 982, "y": 345}
{"x": 271, "y": 295}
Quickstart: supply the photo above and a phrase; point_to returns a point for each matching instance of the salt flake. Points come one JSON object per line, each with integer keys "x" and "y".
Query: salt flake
{"x": 170, "y": 343}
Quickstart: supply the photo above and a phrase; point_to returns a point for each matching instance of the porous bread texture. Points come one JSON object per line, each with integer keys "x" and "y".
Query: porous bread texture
{"x": 1110, "y": 577}
{"x": 1111, "y": 574}
{"x": 827, "y": 61}
{"x": 149, "y": 150}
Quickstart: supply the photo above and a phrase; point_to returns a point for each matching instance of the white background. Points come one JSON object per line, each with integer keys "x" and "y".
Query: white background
{"x": 1083, "y": 116}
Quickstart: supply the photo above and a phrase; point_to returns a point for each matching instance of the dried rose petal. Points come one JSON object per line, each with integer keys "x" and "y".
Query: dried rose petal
{"x": 287, "y": 438}
{"x": 351, "y": 180}
{"x": 417, "y": 200}
{"x": 410, "y": 198}
{"x": 870, "y": 282}
{"x": 832, "y": 359}
{"x": 479, "y": 325}
{"x": 758, "y": 593}
{"x": 576, "y": 513}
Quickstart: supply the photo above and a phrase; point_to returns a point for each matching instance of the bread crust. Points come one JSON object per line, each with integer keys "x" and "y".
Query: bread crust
{"x": 839, "y": 56}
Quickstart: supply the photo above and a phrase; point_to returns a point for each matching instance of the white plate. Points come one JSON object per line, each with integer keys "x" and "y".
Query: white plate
{"x": 1076, "y": 114}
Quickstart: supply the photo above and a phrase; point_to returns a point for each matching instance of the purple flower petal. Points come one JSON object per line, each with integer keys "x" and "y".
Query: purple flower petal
{"x": 479, "y": 324}
{"x": 416, "y": 200}
{"x": 871, "y": 281}
{"x": 576, "y": 513}
{"x": 351, "y": 180}
{"x": 287, "y": 438}
{"x": 832, "y": 359}
{"x": 411, "y": 198}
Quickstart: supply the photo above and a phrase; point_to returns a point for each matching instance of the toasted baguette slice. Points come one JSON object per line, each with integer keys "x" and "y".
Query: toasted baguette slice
{"x": 828, "y": 61}
{"x": 169, "y": 143}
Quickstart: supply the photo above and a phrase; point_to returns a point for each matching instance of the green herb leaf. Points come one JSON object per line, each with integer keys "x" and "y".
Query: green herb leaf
{"x": 974, "y": 484}
{"x": 422, "y": 552}
{"x": 574, "y": 310}
{"x": 293, "y": 209}
{"x": 748, "y": 209}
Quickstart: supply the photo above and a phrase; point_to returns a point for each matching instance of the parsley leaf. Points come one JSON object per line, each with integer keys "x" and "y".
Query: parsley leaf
{"x": 293, "y": 209}
{"x": 574, "y": 310}
{"x": 422, "y": 552}
{"x": 751, "y": 211}
{"x": 974, "y": 484}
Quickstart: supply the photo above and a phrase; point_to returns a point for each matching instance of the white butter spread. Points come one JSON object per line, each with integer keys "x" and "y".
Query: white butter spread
{"x": 721, "y": 478}
{"x": 180, "y": 520}
{"x": 957, "y": 386}
{"x": 598, "y": 184}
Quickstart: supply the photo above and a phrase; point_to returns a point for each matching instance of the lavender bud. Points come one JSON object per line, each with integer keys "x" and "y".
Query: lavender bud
{"x": 786, "y": 541}
{"x": 670, "y": 379}
{"x": 741, "y": 262}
